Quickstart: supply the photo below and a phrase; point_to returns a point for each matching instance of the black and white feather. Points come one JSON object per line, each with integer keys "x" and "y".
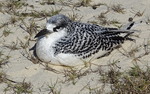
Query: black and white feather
{"x": 69, "y": 43}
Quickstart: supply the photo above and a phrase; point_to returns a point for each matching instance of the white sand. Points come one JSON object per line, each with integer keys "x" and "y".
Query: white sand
{"x": 20, "y": 68}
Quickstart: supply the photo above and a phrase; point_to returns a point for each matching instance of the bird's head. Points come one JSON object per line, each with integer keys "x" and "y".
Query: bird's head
{"x": 57, "y": 23}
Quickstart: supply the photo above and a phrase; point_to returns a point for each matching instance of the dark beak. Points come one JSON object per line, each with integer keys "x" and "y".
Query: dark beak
{"x": 42, "y": 33}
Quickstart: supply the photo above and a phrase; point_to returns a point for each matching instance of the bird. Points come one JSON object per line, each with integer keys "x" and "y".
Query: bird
{"x": 72, "y": 43}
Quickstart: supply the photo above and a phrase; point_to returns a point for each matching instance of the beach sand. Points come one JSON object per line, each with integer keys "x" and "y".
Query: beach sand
{"x": 15, "y": 45}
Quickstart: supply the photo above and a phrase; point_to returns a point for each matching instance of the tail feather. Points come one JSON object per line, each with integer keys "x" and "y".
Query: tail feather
{"x": 132, "y": 24}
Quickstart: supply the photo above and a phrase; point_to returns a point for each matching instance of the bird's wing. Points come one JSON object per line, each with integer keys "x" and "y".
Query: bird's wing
{"x": 117, "y": 33}
{"x": 84, "y": 43}
{"x": 75, "y": 43}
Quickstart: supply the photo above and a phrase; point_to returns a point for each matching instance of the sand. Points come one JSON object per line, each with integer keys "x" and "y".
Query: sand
{"x": 19, "y": 68}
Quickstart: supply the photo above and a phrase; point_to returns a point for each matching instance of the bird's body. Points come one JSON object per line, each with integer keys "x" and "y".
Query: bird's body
{"x": 74, "y": 43}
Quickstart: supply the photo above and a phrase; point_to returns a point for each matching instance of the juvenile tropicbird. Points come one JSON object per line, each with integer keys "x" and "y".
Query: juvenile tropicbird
{"x": 69, "y": 43}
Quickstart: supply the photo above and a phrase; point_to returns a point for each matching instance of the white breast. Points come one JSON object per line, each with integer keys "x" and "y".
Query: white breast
{"x": 44, "y": 45}
{"x": 45, "y": 51}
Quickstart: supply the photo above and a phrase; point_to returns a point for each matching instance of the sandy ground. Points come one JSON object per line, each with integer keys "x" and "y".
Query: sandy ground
{"x": 19, "y": 68}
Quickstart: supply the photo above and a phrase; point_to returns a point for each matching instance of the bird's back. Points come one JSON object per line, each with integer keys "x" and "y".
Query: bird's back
{"x": 86, "y": 40}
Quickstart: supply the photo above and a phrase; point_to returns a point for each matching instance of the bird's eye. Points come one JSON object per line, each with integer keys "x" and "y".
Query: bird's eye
{"x": 55, "y": 29}
{"x": 58, "y": 27}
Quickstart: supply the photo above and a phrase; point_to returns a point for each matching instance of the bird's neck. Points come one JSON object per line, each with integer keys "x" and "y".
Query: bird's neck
{"x": 54, "y": 37}
{"x": 44, "y": 46}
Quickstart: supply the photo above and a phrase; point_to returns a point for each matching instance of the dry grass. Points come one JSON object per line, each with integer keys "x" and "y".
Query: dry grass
{"x": 4, "y": 59}
{"x": 48, "y": 2}
{"x": 95, "y": 6}
{"x": 133, "y": 81}
{"x": 102, "y": 20}
{"x": 19, "y": 88}
{"x": 74, "y": 75}
{"x": 2, "y": 77}
{"x": 52, "y": 88}
{"x": 75, "y": 16}
{"x": 118, "y": 8}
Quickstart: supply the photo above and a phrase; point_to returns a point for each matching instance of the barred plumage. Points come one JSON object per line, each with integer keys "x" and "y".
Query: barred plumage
{"x": 76, "y": 41}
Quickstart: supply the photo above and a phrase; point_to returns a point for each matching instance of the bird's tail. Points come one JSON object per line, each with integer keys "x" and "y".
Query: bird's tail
{"x": 131, "y": 24}
{"x": 125, "y": 34}
{"x": 126, "y": 30}
{"x": 126, "y": 37}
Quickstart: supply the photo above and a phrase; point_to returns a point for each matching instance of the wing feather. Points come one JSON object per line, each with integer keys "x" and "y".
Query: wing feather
{"x": 90, "y": 39}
